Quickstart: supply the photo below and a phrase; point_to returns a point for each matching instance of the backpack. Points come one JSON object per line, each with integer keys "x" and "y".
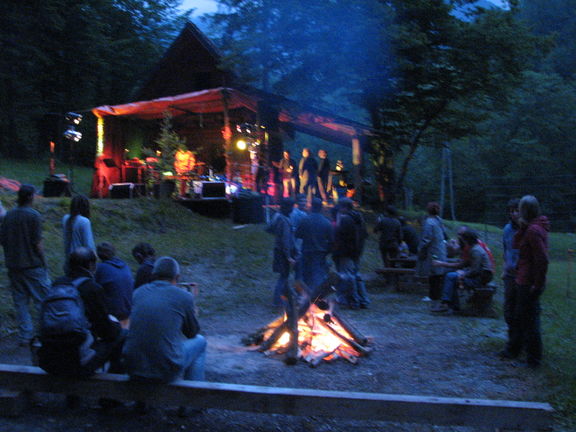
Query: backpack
{"x": 62, "y": 316}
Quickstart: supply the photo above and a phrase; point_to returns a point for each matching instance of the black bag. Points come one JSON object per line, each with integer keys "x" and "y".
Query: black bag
{"x": 62, "y": 316}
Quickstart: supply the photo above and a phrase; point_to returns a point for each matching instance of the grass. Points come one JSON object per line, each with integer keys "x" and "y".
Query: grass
{"x": 36, "y": 171}
{"x": 241, "y": 259}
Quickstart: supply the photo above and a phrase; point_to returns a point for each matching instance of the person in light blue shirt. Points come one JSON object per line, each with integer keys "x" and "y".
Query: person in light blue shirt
{"x": 510, "y": 255}
{"x": 77, "y": 227}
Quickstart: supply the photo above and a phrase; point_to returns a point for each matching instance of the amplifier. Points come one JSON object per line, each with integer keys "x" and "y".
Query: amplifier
{"x": 121, "y": 190}
{"x": 206, "y": 189}
{"x": 56, "y": 187}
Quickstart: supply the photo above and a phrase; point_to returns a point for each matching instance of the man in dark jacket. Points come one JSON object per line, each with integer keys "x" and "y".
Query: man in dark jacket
{"x": 317, "y": 236}
{"x": 61, "y": 356}
{"x": 21, "y": 236}
{"x": 390, "y": 231}
{"x": 116, "y": 278}
{"x": 349, "y": 237}
{"x": 285, "y": 253}
{"x": 307, "y": 169}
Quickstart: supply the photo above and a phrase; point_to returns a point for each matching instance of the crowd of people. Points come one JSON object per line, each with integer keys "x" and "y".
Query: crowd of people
{"x": 145, "y": 325}
{"x": 310, "y": 177}
{"x": 97, "y": 313}
{"x": 303, "y": 242}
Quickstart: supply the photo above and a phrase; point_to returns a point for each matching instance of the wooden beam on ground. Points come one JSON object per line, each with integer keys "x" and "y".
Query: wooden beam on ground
{"x": 305, "y": 402}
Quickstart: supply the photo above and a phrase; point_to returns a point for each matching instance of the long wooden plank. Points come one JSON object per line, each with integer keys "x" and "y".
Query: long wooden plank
{"x": 306, "y": 402}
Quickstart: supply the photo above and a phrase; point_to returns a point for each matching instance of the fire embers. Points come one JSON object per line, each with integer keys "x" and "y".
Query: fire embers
{"x": 321, "y": 333}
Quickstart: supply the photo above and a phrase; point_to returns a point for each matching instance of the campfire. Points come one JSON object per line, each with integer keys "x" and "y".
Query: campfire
{"x": 321, "y": 333}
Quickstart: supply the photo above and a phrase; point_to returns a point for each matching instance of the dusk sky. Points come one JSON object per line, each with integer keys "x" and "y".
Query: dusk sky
{"x": 208, "y": 6}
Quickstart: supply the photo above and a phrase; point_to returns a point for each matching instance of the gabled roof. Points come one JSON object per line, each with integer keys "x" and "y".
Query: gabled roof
{"x": 190, "y": 64}
{"x": 304, "y": 119}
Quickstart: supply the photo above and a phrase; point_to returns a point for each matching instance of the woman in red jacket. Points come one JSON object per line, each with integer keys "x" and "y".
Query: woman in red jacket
{"x": 531, "y": 240}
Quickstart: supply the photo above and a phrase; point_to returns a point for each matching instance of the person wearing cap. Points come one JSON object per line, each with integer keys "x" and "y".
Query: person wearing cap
{"x": 164, "y": 343}
{"x": 21, "y": 237}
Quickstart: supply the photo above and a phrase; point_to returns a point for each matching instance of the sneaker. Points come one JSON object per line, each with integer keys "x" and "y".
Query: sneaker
{"x": 426, "y": 299}
{"x": 441, "y": 308}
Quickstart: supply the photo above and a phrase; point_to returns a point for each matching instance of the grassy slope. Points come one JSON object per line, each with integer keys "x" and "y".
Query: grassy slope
{"x": 212, "y": 245}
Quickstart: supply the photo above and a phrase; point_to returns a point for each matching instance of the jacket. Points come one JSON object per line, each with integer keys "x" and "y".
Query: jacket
{"x": 532, "y": 244}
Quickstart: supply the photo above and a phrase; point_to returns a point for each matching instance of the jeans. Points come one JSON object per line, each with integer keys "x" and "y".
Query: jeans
{"x": 314, "y": 270}
{"x": 28, "y": 284}
{"x": 347, "y": 289}
{"x": 450, "y": 289}
{"x": 360, "y": 285}
{"x": 195, "y": 358}
{"x": 524, "y": 326}
{"x": 280, "y": 289}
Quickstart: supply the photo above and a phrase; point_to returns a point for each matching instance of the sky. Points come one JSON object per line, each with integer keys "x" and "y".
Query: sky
{"x": 209, "y": 6}
{"x": 202, "y": 6}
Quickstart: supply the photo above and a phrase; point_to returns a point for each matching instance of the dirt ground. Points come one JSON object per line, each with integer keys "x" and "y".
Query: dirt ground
{"x": 416, "y": 353}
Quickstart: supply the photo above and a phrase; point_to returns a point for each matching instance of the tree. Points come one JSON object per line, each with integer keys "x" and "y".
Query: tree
{"x": 63, "y": 55}
{"x": 448, "y": 71}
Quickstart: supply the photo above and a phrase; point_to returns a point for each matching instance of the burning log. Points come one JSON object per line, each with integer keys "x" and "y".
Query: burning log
{"x": 311, "y": 330}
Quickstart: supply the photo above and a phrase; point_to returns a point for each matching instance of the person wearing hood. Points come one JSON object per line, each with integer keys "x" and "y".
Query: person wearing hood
{"x": 531, "y": 241}
{"x": 116, "y": 278}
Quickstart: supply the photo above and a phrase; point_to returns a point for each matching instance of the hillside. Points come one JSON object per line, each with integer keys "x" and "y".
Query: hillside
{"x": 415, "y": 353}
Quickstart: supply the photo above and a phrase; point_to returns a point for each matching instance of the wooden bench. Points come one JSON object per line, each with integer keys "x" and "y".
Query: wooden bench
{"x": 289, "y": 401}
{"x": 398, "y": 274}
{"x": 477, "y": 301}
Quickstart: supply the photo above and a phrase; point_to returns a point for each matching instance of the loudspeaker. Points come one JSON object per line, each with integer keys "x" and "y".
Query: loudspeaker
{"x": 213, "y": 190}
{"x": 55, "y": 187}
{"x": 121, "y": 190}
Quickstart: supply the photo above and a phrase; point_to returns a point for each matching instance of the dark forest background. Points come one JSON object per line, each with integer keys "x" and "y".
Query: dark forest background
{"x": 486, "y": 91}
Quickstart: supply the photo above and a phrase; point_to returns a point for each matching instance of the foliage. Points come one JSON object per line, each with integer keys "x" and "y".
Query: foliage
{"x": 448, "y": 72}
{"x": 168, "y": 142}
{"x": 65, "y": 55}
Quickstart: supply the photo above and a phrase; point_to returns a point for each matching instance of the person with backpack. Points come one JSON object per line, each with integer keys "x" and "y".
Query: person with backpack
{"x": 77, "y": 334}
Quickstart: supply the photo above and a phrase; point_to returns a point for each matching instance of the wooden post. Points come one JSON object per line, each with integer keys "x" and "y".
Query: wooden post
{"x": 356, "y": 167}
{"x": 227, "y": 134}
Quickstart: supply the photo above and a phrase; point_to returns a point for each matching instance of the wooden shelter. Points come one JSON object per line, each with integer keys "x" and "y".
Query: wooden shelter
{"x": 206, "y": 105}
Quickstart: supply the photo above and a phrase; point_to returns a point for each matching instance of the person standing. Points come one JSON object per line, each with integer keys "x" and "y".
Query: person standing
{"x": 76, "y": 226}
{"x": 164, "y": 343}
{"x": 324, "y": 177}
{"x": 317, "y": 236}
{"x": 510, "y": 255}
{"x": 288, "y": 171}
{"x": 285, "y": 254}
{"x": 21, "y": 237}
{"x": 348, "y": 242}
{"x": 531, "y": 241}
{"x": 390, "y": 231}
{"x": 432, "y": 247}
{"x": 307, "y": 169}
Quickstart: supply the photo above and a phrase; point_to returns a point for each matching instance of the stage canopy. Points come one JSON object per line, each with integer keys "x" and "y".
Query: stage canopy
{"x": 304, "y": 119}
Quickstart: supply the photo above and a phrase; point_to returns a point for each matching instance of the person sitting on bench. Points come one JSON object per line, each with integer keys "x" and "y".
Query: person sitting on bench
{"x": 477, "y": 272}
{"x": 163, "y": 343}
{"x": 67, "y": 349}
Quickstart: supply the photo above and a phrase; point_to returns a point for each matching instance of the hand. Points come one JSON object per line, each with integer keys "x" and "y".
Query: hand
{"x": 460, "y": 273}
{"x": 291, "y": 261}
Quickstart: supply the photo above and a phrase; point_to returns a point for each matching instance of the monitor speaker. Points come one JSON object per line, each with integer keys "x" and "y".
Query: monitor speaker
{"x": 121, "y": 190}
